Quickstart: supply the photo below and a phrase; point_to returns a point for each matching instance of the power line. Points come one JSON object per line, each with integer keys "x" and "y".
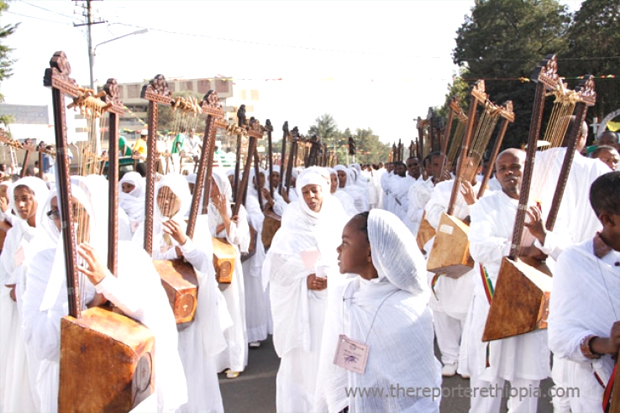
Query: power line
{"x": 51, "y": 11}
{"x": 36, "y": 18}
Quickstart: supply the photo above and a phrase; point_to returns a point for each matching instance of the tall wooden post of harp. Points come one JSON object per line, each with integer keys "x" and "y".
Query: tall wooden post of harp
{"x": 95, "y": 337}
{"x": 283, "y": 159}
{"x": 451, "y": 235}
{"x": 178, "y": 277}
{"x": 523, "y": 286}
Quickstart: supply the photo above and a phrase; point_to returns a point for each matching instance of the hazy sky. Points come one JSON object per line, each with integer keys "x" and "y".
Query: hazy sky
{"x": 371, "y": 64}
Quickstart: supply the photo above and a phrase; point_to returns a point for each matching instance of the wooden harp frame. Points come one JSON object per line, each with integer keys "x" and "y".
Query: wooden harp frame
{"x": 97, "y": 336}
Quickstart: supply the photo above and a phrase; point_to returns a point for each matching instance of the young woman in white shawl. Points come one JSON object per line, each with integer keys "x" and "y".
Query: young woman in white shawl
{"x": 346, "y": 182}
{"x": 236, "y": 231}
{"x": 199, "y": 343}
{"x": 345, "y": 199}
{"x": 308, "y": 236}
{"x": 257, "y": 308}
{"x": 384, "y": 308}
{"x": 136, "y": 290}
{"x": 17, "y": 386}
{"x": 131, "y": 198}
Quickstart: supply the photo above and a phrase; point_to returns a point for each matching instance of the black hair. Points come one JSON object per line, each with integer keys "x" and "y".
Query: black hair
{"x": 362, "y": 220}
{"x": 601, "y": 148}
{"x": 605, "y": 194}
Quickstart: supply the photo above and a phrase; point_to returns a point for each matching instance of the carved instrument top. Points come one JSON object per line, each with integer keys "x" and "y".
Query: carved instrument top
{"x": 57, "y": 75}
{"x": 157, "y": 90}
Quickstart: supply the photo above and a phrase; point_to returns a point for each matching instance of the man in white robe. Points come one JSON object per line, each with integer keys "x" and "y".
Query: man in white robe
{"x": 584, "y": 330}
{"x": 452, "y": 296}
{"x": 522, "y": 360}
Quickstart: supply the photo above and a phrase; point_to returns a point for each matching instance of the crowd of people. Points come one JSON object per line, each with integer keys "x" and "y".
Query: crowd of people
{"x": 343, "y": 286}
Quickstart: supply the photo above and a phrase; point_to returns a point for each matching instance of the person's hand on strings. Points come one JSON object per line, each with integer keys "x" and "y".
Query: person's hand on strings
{"x": 220, "y": 204}
{"x": 94, "y": 269}
{"x": 267, "y": 196}
{"x": 4, "y": 205}
{"x": 467, "y": 190}
{"x": 175, "y": 230}
{"x": 536, "y": 224}
{"x": 316, "y": 283}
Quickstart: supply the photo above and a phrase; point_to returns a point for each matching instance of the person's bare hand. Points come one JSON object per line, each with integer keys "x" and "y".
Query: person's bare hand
{"x": 4, "y": 205}
{"x": 94, "y": 269}
{"x": 220, "y": 204}
{"x": 467, "y": 190}
{"x": 536, "y": 226}
{"x": 316, "y": 283}
{"x": 175, "y": 230}
{"x": 12, "y": 293}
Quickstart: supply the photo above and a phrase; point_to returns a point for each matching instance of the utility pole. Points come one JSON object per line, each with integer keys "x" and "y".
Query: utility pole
{"x": 91, "y": 51}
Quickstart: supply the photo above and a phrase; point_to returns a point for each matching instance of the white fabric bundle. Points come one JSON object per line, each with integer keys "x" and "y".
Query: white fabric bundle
{"x": 390, "y": 315}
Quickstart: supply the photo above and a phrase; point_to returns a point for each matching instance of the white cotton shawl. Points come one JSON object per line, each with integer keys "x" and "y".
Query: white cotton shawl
{"x": 301, "y": 229}
{"x": 390, "y": 315}
{"x": 345, "y": 199}
{"x": 133, "y": 202}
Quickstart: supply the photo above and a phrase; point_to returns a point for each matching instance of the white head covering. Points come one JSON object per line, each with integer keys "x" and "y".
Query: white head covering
{"x": 37, "y": 186}
{"x": 179, "y": 186}
{"x": 191, "y": 178}
{"x": 133, "y": 202}
{"x": 394, "y": 252}
{"x": 346, "y": 170}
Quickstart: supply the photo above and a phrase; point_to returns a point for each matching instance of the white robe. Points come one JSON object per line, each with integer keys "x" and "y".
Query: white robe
{"x": 390, "y": 315}
{"x": 525, "y": 356}
{"x": 299, "y": 313}
{"x": 257, "y": 307}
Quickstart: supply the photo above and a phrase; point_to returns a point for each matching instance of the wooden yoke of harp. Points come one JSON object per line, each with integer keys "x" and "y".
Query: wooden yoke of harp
{"x": 96, "y": 337}
{"x": 521, "y": 299}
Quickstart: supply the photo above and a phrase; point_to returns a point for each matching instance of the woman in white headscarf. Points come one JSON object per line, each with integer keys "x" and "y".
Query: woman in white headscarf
{"x": 131, "y": 198}
{"x": 27, "y": 198}
{"x": 199, "y": 343}
{"x": 345, "y": 199}
{"x": 307, "y": 240}
{"x": 384, "y": 308}
{"x": 257, "y": 308}
{"x": 237, "y": 232}
{"x": 136, "y": 290}
{"x": 346, "y": 182}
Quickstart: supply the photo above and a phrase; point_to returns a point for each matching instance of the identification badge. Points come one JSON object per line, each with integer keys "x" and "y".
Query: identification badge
{"x": 310, "y": 257}
{"x": 351, "y": 355}
{"x": 20, "y": 256}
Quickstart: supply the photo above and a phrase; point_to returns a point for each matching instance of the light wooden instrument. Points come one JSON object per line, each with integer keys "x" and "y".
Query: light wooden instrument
{"x": 105, "y": 358}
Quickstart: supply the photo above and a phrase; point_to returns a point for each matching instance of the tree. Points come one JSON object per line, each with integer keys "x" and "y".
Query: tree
{"x": 504, "y": 40}
{"x": 594, "y": 48}
{"x": 369, "y": 148}
{"x": 5, "y": 61}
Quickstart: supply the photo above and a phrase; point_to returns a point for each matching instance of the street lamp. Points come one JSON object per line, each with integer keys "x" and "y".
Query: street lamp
{"x": 94, "y": 49}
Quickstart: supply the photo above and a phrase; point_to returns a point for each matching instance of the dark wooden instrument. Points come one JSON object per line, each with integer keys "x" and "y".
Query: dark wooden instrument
{"x": 178, "y": 278}
{"x": 521, "y": 300}
{"x": 105, "y": 358}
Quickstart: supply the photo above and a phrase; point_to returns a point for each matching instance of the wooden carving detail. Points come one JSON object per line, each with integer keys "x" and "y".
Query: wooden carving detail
{"x": 547, "y": 72}
{"x": 112, "y": 97}
{"x": 255, "y": 129}
{"x": 285, "y": 128}
{"x": 211, "y": 105}
{"x": 586, "y": 90}
{"x": 57, "y": 75}
{"x": 157, "y": 91}
{"x": 478, "y": 91}
{"x": 268, "y": 126}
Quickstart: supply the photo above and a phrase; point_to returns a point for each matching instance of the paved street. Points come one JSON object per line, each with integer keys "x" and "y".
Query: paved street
{"x": 255, "y": 389}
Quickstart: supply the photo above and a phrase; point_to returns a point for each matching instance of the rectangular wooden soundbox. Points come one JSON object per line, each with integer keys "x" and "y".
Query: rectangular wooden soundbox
{"x": 520, "y": 303}
{"x": 179, "y": 279}
{"x": 450, "y": 252}
{"x": 224, "y": 256}
{"x": 425, "y": 233}
{"x": 106, "y": 362}
{"x": 271, "y": 225}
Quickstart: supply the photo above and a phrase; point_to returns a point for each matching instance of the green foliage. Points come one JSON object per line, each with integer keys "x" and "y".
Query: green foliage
{"x": 594, "y": 48}
{"x": 5, "y": 61}
{"x": 505, "y": 39}
{"x": 369, "y": 148}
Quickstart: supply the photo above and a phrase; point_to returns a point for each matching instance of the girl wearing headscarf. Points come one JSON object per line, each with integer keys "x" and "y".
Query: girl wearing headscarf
{"x": 131, "y": 198}
{"x": 136, "y": 290}
{"x": 345, "y": 199}
{"x": 346, "y": 179}
{"x": 236, "y": 231}
{"x": 383, "y": 309}
{"x": 305, "y": 242}
{"x": 199, "y": 343}
{"x": 18, "y": 392}
{"x": 257, "y": 310}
